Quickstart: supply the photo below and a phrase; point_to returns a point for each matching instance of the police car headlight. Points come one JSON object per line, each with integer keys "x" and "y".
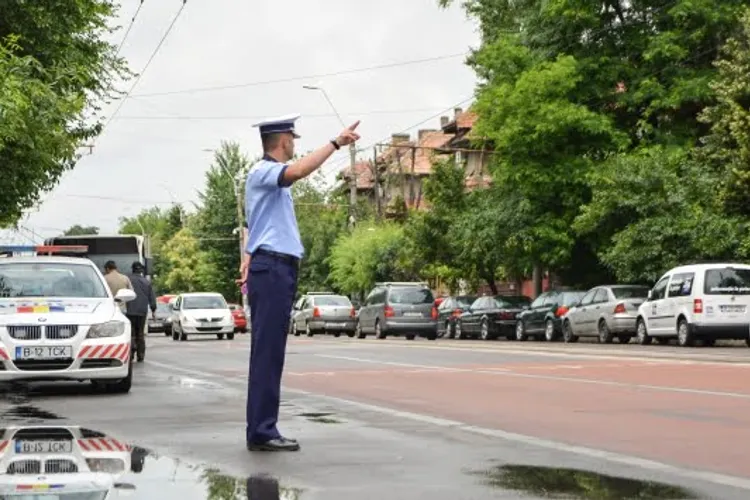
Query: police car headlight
{"x": 108, "y": 329}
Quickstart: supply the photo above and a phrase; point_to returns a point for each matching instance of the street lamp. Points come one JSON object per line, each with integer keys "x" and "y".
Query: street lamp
{"x": 352, "y": 153}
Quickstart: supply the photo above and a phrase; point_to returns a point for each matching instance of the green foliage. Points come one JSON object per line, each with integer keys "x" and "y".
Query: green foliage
{"x": 188, "y": 267}
{"x": 368, "y": 255}
{"x": 727, "y": 146}
{"x": 55, "y": 70}
{"x": 655, "y": 209}
{"x": 78, "y": 230}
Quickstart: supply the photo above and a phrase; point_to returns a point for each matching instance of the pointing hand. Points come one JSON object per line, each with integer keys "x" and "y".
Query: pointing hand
{"x": 348, "y": 135}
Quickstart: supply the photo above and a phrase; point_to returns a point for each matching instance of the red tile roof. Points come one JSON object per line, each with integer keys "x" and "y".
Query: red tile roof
{"x": 363, "y": 169}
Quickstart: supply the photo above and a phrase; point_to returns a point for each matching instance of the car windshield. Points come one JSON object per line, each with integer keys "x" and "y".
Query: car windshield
{"x": 513, "y": 301}
{"x": 465, "y": 301}
{"x": 331, "y": 301}
{"x": 630, "y": 292}
{"x": 727, "y": 281}
{"x": 162, "y": 308}
{"x": 48, "y": 279}
{"x": 411, "y": 296}
{"x": 572, "y": 298}
{"x": 204, "y": 302}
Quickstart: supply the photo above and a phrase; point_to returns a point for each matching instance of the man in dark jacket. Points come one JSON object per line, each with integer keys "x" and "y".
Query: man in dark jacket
{"x": 137, "y": 310}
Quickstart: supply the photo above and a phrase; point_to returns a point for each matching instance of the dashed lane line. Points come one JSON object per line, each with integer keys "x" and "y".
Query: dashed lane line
{"x": 629, "y": 460}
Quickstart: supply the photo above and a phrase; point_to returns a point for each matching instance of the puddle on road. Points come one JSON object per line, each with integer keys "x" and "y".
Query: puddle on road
{"x": 550, "y": 482}
{"x": 68, "y": 459}
{"x": 321, "y": 418}
{"x": 194, "y": 383}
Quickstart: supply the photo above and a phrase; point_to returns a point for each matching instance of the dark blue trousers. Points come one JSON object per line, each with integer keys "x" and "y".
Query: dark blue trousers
{"x": 272, "y": 284}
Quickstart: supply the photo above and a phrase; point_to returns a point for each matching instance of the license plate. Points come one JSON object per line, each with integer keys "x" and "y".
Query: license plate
{"x": 44, "y": 447}
{"x": 732, "y": 308}
{"x": 208, "y": 325}
{"x": 413, "y": 315}
{"x": 44, "y": 352}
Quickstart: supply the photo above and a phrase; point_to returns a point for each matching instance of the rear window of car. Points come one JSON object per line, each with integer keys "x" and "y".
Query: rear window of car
{"x": 630, "y": 292}
{"x": 331, "y": 301}
{"x": 572, "y": 298}
{"x": 465, "y": 301}
{"x": 727, "y": 281}
{"x": 411, "y": 296}
{"x": 519, "y": 301}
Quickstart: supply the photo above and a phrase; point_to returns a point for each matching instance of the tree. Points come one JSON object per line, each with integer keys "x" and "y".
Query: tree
{"x": 367, "y": 255}
{"x": 56, "y": 69}
{"x": 188, "y": 267}
{"x": 216, "y": 225}
{"x": 727, "y": 146}
{"x": 78, "y": 230}
{"x": 653, "y": 219}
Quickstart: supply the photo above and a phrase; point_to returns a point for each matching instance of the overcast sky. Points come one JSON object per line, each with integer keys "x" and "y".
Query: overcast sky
{"x": 153, "y": 151}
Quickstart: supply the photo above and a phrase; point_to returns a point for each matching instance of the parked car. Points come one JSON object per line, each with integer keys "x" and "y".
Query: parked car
{"x": 398, "y": 309}
{"x": 323, "y": 312}
{"x": 448, "y": 311}
{"x": 543, "y": 319}
{"x": 703, "y": 302}
{"x": 605, "y": 312}
{"x": 201, "y": 314}
{"x": 240, "y": 320}
{"x": 491, "y": 317}
{"x": 161, "y": 322}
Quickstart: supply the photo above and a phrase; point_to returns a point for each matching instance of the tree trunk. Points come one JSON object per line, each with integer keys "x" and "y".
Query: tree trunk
{"x": 538, "y": 280}
{"x": 489, "y": 277}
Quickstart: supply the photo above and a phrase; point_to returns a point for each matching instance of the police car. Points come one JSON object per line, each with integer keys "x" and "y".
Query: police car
{"x": 59, "y": 320}
{"x": 62, "y": 462}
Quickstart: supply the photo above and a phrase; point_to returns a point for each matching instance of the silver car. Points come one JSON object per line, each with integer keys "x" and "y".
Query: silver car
{"x": 323, "y": 312}
{"x": 393, "y": 308}
{"x": 605, "y": 312}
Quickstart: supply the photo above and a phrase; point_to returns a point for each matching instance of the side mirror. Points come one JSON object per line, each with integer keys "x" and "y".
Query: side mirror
{"x": 124, "y": 295}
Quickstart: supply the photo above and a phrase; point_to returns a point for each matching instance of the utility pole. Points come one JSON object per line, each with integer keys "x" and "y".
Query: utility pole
{"x": 353, "y": 184}
{"x": 376, "y": 178}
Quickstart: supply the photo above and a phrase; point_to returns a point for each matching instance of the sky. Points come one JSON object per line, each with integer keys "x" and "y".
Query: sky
{"x": 154, "y": 151}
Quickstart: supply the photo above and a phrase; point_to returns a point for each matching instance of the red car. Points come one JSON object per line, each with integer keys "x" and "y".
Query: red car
{"x": 240, "y": 320}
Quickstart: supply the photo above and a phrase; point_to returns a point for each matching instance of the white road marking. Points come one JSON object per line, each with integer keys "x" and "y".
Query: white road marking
{"x": 557, "y": 378}
{"x": 691, "y": 474}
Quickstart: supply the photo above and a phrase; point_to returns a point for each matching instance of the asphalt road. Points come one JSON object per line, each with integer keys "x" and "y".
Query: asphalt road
{"x": 438, "y": 420}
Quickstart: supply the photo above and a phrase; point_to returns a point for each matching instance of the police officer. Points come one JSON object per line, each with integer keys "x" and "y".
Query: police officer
{"x": 275, "y": 250}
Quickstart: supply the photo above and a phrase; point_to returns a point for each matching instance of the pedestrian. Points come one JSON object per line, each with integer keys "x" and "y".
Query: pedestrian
{"x": 137, "y": 309}
{"x": 115, "y": 280}
{"x": 275, "y": 251}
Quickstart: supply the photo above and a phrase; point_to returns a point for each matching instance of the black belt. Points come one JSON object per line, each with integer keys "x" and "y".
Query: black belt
{"x": 284, "y": 257}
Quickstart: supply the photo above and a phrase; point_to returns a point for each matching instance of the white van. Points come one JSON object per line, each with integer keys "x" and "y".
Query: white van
{"x": 699, "y": 301}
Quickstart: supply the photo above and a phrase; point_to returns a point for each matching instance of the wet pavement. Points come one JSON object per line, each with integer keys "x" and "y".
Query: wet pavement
{"x": 368, "y": 424}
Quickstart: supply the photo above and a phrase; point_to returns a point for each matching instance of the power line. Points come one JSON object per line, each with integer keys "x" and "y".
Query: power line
{"x": 130, "y": 27}
{"x": 148, "y": 63}
{"x": 301, "y": 78}
{"x": 137, "y": 201}
{"x": 258, "y": 117}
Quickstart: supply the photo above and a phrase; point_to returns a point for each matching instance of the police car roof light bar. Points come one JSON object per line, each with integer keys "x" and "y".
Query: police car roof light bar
{"x": 44, "y": 249}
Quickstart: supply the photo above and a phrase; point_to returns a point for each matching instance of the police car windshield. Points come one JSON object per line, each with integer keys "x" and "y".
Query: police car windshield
{"x": 43, "y": 279}
{"x": 88, "y": 495}
{"x": 205, "y": 302}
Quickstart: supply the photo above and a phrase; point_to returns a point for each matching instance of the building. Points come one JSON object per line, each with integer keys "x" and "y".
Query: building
{"x": 475, "y": 163}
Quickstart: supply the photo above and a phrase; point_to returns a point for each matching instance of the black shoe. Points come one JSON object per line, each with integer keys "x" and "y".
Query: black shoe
{"x": 140, "y": 360}
{"x": 279, "y": 444}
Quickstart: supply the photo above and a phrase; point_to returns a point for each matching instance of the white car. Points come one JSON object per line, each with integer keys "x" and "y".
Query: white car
{"x": 59, "y": 321}
{"x": 699, "y": 301}
{"x": 62, "y": 462}
{"x": 201, "y": 314}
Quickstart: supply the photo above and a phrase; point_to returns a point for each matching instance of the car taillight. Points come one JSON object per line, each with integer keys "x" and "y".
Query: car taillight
{"x": 434, "y": 313}
{"x": 388, "y": 312}
{"x": 561, "y": 311}
{"x": 697, "y": 306}
{"x": 353, "y": 313}
{"x": 620, "y": 308}
{"x": 456, "y": 313}
{"x": 316, "y": 313}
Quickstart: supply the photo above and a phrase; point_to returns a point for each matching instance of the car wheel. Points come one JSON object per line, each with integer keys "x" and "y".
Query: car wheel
{"x": 337, "y": 334}
{"x": 220, "y": 336}
{"x": 521, "y": 332}
{"x": 308, "y": 332}
{"x": 605, "y": 336}
{"x": 410, "y": 337}
{"x": 167, "y": 334}
{"x": 230, "y": 336}
{"x": 378, "y": 331}
{"x": 484, "y": 330}
{"x": 685, "y": 337}
{"x": 459, "y": 329}
{"x": 358, "y": 331}
{"x": 549, "y": 331}
{"x": 568, "y": 336}
{"x": 642, "y": 333}
{"x": 122, "y": 386}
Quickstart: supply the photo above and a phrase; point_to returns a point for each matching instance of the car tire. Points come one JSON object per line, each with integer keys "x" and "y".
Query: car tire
{"x": 308, "y": 331}
{"x": 685, "y": 337}
{"x": 568, "y": 336}
{"x": 642, "y": 333}
{"x": 605, "y": 335}
{"x": 521, "y": 332}
{"x": 410, "y": 337}
{"x": 122, "y": 386}
{"x": 220, "y": 336}
{"x": 549, "y": 331}
{"x": 378, "y": 331}
{"x": 358, "y": 331}
{"x": 458, "y": 330}
{"x": 230, "y": 336}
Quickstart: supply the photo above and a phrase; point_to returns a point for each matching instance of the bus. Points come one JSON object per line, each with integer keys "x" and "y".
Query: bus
{"x": 123, "y": 249}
